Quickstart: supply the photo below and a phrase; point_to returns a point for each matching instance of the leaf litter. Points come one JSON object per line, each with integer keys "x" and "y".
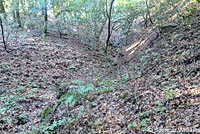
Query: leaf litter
{"x": 154, "y": 89}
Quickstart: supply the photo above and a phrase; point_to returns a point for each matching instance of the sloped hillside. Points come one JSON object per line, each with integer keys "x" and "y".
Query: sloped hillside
{"x": 58, "y": 86}
{"x": 169, "y": 73}
{"x": 158, "y": 91}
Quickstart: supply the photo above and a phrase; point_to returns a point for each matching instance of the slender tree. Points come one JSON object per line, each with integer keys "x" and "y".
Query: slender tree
{"x": 2, "y": 7}
{"x": 148, "y": 16}
{"x": 45, "y": 16}
{"x": 2, "y": 32}
{"x": 2, "y": 11}
{"x": 18, "y": 14}
{"x": 109, "y": 16}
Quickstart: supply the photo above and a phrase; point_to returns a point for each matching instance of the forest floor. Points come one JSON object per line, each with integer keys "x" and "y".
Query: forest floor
{"x": 53, "y": 85}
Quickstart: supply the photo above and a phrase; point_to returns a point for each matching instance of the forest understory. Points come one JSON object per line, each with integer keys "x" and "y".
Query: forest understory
{"x": 53, "y": 85}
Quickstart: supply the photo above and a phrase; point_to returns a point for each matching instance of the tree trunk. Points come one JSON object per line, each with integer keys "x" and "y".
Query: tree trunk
{"x": 18, "y": 14}
{"x": 148, "y": 16}
{"x": 101, "y": 29}
{"x": 45, "y": 17}
{"x": 2, "y": 9}
{"x": 109, "y": 16}
{"x": 13, "y": 11}
{"x": 2, "y": 32}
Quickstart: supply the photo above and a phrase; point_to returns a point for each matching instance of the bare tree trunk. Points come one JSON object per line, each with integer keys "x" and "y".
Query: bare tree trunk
{"x": 2, "y": 32}
{"x": 109, "y": 16}
{"x": 2, "y": 9}
{"x": 150, "y": 13}
{"x": 148, "y": 16}
{"x": 18, "y": 15}
{"x": 101, "y": 29}
{"x": 45, "y": 17}
{"x": 13, "y": 11}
